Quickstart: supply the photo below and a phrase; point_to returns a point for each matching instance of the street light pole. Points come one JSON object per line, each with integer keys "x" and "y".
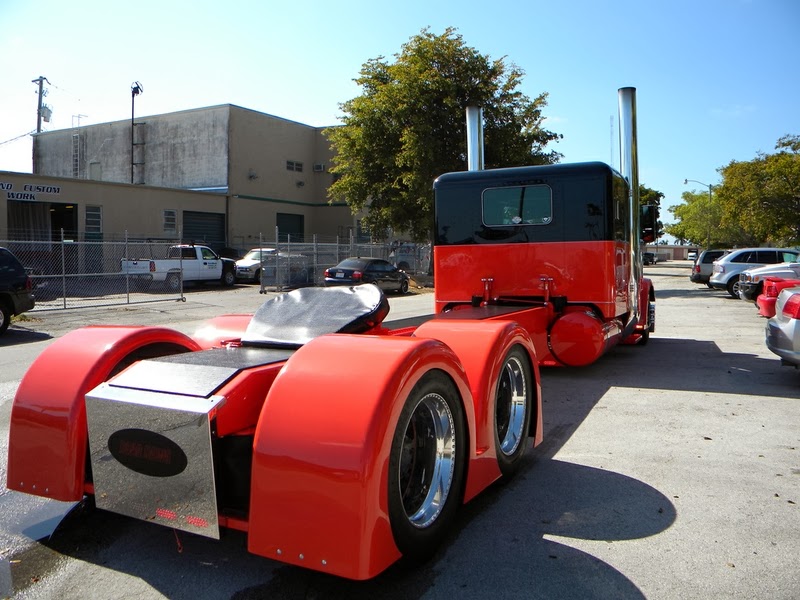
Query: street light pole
{"x": 708, "y": 224}
{"x": 136, "y": 89}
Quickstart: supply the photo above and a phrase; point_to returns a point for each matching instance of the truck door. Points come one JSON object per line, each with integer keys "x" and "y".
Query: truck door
{"x": 210, "y": 264}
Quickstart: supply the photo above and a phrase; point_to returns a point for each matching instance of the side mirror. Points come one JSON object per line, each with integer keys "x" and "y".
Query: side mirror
{"x": 648, "y": 222}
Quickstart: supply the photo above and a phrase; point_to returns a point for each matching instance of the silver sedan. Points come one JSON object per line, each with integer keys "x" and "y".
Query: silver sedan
{"x": 783, "y": 330}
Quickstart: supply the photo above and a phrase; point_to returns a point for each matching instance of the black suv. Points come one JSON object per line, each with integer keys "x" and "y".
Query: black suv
{"x": 15, "y": 289}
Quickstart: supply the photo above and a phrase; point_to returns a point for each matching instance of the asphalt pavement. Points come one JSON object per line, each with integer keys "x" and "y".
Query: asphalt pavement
{"x": 668, "y": 471}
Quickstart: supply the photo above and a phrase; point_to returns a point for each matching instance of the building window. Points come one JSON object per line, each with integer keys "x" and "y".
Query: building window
{"x": 170, "y": 221}
{"x": 94, "y": 219}
{"x": 293, "y": 165}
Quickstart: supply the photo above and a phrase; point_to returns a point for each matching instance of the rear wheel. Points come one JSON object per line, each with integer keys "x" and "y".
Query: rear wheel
{"x": 427, "y": 466}
{"x": 733, "y": 287}
{"x": 173, "y": 282}
{"x": 5, "y": 317}
{"x": 512, "y": 411}
{"x": 403, "y": 286}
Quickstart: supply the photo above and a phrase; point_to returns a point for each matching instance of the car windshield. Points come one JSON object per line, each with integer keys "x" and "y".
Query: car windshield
{"x": 257, "y": 254}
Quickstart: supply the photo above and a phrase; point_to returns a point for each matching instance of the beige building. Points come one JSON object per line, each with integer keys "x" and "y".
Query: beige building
{"x": 222, "y": 174}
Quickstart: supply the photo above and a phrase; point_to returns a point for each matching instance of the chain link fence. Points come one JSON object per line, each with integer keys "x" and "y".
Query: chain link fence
{"x": 71, "y": 273}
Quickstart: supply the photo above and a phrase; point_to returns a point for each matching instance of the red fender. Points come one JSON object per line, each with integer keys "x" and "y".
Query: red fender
{"x": 321, "y": 451}
{"x": 482, "y": 361}
{"x": 47, "y": 436}
{"x": 212, "y": 333}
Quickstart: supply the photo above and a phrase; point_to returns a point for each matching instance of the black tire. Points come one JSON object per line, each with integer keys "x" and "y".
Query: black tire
{"x": 403, "y": 286}
{"x": 513, "y": 405}
{"x": 228, "y": 277}
{"x": 173, "y": 282}
{"x": 5, "y": 317}
{"x": 428, "y": 446}
{"x": 733, "y": 287}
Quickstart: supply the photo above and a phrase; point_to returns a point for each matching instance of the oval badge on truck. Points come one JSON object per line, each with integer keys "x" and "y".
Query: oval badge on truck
{"x": 147, "y": 452}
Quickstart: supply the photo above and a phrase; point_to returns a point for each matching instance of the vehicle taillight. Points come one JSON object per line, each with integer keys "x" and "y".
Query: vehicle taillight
{"x": 696, "y": 268}
{"x": 327, "y": 273}
{"x": 792, "y": 307}
{"x": 357, "y": 275}
{"x": 152, "y": 266}
{"x": 28, "y": 284}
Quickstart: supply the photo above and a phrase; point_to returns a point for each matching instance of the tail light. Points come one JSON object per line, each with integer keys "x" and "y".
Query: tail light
{"x": 791, "y": 308}
{"x": 357, "y": 275}
{"x": 152, "y": 266}
{"x": 696, "y": 268}
{"x": 327, "y": 273}
{"x": 28, "y": 284}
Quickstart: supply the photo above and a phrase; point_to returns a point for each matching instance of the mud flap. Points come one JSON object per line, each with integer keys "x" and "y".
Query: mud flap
{"x": 151, "y": 456}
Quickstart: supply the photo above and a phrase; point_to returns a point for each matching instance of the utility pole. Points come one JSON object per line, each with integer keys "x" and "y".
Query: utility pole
{"x": 39, "y": 81}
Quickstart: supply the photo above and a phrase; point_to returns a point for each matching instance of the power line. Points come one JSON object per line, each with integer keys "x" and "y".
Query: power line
{"x": 18, "y": 137}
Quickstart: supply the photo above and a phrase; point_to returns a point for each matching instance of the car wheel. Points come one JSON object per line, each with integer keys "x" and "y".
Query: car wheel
{"x": 403, "y": 286}
{"x": 228, "y": 278}
{"x": 512, "y": 411}
{"x": 733, "y": 287}
{"x": 173, "y": 282}
{"x": 427, "y": 466}
{"x": 5, "y": 317}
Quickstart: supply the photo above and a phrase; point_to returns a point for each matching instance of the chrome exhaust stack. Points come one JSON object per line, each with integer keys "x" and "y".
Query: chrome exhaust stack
{"x": 629, "y": 167}
{"x": 474, "y": 138}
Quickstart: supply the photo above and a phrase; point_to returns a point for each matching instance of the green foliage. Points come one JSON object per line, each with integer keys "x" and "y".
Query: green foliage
{"x": 758, "y": 203}
{"x": 762, "y": 196}
{"x": 408, "y": 127}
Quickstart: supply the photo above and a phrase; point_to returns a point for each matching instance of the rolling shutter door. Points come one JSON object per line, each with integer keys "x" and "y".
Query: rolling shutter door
{"x": 204, "y": 228}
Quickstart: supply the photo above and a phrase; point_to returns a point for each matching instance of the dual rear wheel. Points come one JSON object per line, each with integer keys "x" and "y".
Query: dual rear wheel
{"x": 428, "y": 461}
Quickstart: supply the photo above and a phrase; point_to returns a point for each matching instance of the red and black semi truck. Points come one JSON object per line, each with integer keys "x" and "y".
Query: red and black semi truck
{"x": 334, "y": 441}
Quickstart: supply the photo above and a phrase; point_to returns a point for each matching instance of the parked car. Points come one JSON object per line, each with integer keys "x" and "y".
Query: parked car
{"x": 703, "y": 264}
{"x": 725, "y": 274}
{"x": 772, "y": 288}
{"x": 783, "y": 330}
{"x": 268, "y": 266}
{"x": 751, "y": 281}
{"x": 16, "y": 295}
{"x": 649, "y": 258}
{"x": 355, "y": 270}
{"x": 692, "y": 255}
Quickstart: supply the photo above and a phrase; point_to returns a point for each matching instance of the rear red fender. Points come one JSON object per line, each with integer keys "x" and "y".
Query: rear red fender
{"x": 483, "y": 362}
{"x": 322, "y": 445}
{"x": 213, "y": 332}
{"x": 47, "y": 432}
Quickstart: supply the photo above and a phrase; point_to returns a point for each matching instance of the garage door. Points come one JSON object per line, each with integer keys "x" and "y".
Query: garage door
{"x": 204, "y": 228}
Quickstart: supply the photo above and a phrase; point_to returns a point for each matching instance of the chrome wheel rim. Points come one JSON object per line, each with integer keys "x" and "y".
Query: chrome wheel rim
{"x": 427, "y": 460}
{"x": 511, "y": 405}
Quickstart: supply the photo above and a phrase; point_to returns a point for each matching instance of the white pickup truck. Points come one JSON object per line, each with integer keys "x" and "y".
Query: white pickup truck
{"x": 184, "y": 262}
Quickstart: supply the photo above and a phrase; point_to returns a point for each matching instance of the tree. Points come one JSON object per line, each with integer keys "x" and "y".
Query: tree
{"x": 700, "y": 222}
{"x": 408, "y": 127}
{"x": 763, "y": 195}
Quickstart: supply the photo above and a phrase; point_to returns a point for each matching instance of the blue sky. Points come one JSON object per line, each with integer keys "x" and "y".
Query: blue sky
{"x": 717, "y": 80}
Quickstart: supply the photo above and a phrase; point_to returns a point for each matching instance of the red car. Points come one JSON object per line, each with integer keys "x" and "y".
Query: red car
{"x": 772, "y": 287}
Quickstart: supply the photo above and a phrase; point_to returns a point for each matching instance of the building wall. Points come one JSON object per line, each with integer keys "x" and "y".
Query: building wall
{"x": 253, "y": 158}
{"x": 139, "y": 210}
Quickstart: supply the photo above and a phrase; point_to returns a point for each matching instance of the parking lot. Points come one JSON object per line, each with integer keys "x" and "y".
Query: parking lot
{"x": 667, "y": 471}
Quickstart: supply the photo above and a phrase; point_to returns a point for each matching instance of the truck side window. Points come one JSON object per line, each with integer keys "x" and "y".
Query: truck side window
{"x": 188, "y": 253}
{"x": 518, "y": 205}
{"x": 208, "y": 254}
